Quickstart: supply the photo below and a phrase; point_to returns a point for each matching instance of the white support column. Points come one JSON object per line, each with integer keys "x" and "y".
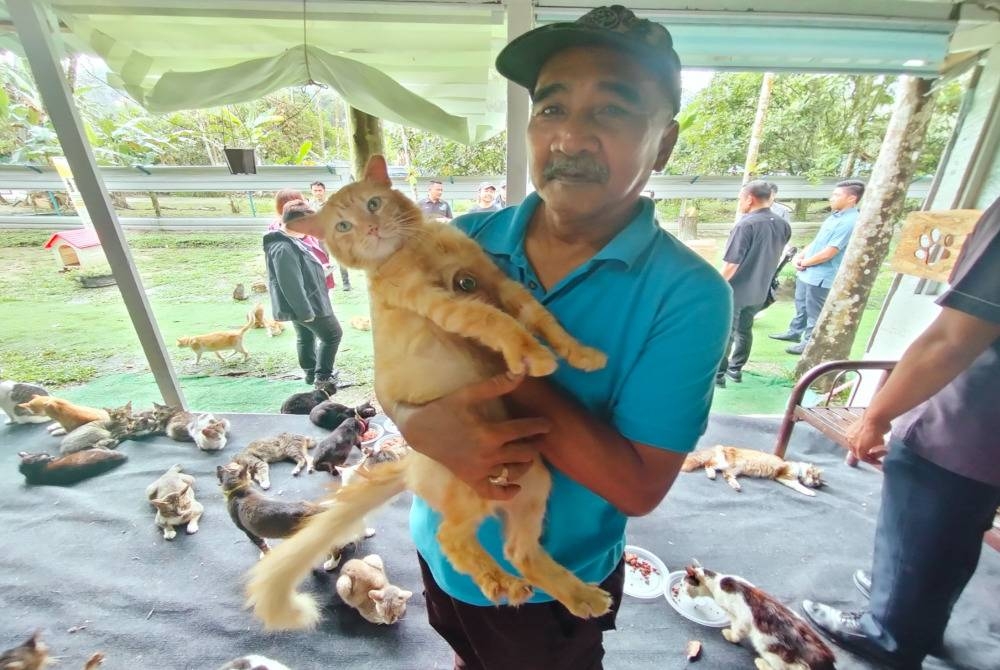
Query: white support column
{"x": 43, "y": 53}
{"x": 520, "y": 19}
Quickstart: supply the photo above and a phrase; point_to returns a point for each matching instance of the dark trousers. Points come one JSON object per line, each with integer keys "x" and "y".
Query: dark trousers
{"x": 316, "y": 343}
{"x": 927, "y": 545}
{"x": 737, "y": 352}
{"x": 345, "y": 279}
{"x": 809, "y": 301}
{"x": 537, "y": 636}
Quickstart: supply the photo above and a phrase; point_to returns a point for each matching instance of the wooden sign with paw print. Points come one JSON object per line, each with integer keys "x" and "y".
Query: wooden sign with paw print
{"x": 930, "y": 242}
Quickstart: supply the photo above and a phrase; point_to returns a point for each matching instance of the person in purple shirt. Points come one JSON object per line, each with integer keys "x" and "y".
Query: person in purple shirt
{"x": 942, "y": 468}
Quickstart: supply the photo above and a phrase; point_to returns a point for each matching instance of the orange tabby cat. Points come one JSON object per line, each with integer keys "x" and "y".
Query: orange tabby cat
{"x": 65, "y": 413}
{"x": 256, "y": 319}
{"x": 445, "y": 316}
{"x": 361, "y": 323}
{"x": 218, "y": 341}
{"x": 733, "y": 462}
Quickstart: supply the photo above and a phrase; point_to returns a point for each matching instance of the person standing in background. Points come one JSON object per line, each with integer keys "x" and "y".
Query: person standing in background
{"x": 282, "y": 198}
{"x": 486, "y": 198}
{"x": 318, "y": 189}
{"x": 433, "y": 206}
{"x": 781, "y": 210}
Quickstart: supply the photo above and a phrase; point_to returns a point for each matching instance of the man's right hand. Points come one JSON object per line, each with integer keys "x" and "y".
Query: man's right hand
{"x": 451, "y": 431}
{"x": 866, "y": 438}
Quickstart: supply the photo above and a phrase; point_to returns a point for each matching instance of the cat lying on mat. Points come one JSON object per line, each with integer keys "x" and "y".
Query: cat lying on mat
{"x": 733, "y": 462}
{"x": 444, "y": 317}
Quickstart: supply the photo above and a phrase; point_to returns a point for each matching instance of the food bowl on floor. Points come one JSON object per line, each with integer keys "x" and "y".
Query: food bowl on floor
{"x": 372, "y": 435}
{"x": 701, "y": 610}
{"x": 645, "y": 573}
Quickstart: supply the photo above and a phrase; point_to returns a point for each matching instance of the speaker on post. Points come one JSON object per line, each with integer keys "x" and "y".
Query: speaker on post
{"x": 241, "y": 161}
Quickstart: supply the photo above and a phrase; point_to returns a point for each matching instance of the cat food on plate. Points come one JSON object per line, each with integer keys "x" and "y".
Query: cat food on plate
{"x": 645, "y": 573}
{"x": 374, "y": 432}
{"x": 700, "y": 610}
{"x": 392, "y": 442}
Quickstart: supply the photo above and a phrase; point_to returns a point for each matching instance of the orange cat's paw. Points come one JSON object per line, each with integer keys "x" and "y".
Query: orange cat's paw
{"x": 536, "y": 361}
{"x": 500, "y": 586}
{"x": 586, "y": 358}
{"x": 589, "y": 601}
{"x": 518, "y": 592}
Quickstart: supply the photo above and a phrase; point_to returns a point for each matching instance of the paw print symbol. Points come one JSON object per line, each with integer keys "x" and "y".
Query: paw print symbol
{"x": 934, "y": 246}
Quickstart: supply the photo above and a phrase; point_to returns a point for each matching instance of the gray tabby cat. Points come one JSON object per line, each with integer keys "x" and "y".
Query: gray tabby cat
{"x": 13, "y": 394}
{"x": 363, "y": 585}
{"x": 284, "y": 447}
{"x": 153, "y": 421}
{"x": 173, "y": 497}
{"x": 100, "y": 434}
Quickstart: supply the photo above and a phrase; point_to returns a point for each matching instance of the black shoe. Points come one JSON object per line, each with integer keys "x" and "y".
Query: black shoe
{"x": 720, "y": 382}
{"x": 310, "y": 377}
{"x": 796, "y": 349}
{"x": 347, "y": 287}
{"x": 735, "y": 375}
{"x": 863, "y": 580}
{"x": 787, "y": 337}
{"x": 844, "y": 630}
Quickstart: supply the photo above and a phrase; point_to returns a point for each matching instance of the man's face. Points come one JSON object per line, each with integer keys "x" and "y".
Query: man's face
{"x": 435, "y": 191}
{"x": 319, "y": 192}
{"x": 841, "y": 198}
{"x": 599, "y": 123}
{"x": 487, "y": 194}
{"x": 746, "y": 202}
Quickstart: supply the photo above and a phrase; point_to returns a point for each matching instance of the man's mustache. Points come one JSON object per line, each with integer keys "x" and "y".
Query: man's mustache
{"x": 577, "y": 168}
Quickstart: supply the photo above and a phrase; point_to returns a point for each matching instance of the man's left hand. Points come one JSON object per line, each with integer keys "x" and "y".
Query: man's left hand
{"x": 867, "y": 440}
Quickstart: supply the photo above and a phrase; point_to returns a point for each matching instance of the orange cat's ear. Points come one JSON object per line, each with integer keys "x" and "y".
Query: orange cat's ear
{"x": 377, "y": 171}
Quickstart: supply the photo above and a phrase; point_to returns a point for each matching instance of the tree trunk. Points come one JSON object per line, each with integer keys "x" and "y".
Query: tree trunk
{"x": 802, "y": 209}
{"x": 757, "y": 132}
{"x": 155, "y": 199}
{"x": 366, "y": 139}
{"x": 687, "y": 223}
{"x": 71, "y": 70}
{"x": 881, "y": 206}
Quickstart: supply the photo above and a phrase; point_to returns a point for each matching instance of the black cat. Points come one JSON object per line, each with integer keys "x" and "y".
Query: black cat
{"x": 68, "y": 469}
{"x": 303, "y": 403}
{"x": 335, "y": 449}
{"x": 329, "y": 414}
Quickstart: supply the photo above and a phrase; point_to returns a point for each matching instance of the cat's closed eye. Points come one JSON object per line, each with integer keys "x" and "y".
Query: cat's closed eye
{"x": 374, "y": 203}
{"x": 343, "y": 226}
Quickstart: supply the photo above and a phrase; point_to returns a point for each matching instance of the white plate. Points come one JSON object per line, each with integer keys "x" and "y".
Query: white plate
{"x": 700, "y": 610}
{"x": 379, "y": 432}
{"x": 638, "y": 585}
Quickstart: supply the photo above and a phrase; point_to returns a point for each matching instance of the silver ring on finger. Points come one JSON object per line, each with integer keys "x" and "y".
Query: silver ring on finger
{"x": 500, "y": 479}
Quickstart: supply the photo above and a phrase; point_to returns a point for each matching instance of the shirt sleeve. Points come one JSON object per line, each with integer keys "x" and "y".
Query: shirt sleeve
{"x": 975, "y": 281}
{"x": 447, "y": 211}
{"x": 841, "y": 235}
{"x": 738, "y": 245}
{"x": 666, "y": 396}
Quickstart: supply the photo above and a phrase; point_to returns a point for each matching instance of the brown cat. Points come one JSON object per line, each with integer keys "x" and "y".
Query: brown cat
{"x": 444, "y": 317}
{"x": 363, "y": 585}
{"x": 69, "y": 469}
{"x": 733, "y": 462}
{"x": 63, "y": 412}
{"x": 34, "y": 655}
{"x": 153, "y": 421}
{"x": 781, "y": 638}
{"x": 284, "y": 447}
{"x": 221, "y": 340}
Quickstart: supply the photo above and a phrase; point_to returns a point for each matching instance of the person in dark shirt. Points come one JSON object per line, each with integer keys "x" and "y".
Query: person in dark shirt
{"x": 752, "y": 252}
{"x": 433, "y": 206}
{"x": 942, "y": 468}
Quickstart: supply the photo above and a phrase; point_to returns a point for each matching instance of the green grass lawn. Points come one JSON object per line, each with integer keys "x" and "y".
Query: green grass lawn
{"x": 80, "y": 343}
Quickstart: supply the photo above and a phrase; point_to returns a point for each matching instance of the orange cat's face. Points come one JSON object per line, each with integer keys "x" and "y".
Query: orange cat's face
{"x": 365, "y": 222}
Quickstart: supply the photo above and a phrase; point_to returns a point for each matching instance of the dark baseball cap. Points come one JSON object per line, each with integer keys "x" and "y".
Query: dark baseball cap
{"x": 614, "y": 26}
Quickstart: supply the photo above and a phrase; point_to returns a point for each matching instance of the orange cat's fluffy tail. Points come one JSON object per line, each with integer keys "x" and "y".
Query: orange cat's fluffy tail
{"x": 697, "y": 459}
{"x": 271, "y": 589}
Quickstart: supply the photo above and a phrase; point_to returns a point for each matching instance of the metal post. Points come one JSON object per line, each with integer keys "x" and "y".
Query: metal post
{"x": 520, "y": 19}
{"x": 253, "y": 209}
{"x": 42, "y": 53}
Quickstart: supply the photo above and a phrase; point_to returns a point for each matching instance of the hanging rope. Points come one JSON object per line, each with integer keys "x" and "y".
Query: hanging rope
{"x": 305, "y": 44}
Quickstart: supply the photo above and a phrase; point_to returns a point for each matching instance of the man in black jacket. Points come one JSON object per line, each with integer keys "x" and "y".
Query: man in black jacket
{"x": 297, "y": 285}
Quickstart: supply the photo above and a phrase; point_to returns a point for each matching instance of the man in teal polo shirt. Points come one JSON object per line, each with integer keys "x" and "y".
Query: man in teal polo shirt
{"x": 605, "y": 90}
{"x": 818, "y": 264}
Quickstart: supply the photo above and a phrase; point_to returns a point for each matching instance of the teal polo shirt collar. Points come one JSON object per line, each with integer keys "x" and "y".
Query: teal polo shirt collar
{"x": 625, "y": 247}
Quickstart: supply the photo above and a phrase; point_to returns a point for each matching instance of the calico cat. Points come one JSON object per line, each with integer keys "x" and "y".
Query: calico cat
{"x": 733, "y": 462}
{"x": 13, "y": 394}
{"x": 329, "y": 414}
{"x": 284, "y": 447}
{"x": 173, "y": 497}
{"x": 42, "y": 469}
{"x": 363, "y": 585}
{"x": 448, "y": 317}
{"x": 303, "y": 403}
{"x": 211, "y": 434}
{"x": 100, "y": 434}
{"x": 217, "y": 341}
{"x": 781, "y": 638}
{"x": 253, "y": 662}
{"x": 66, "y": 415}
{"x": 34, "y": 655}
{"x": 361, "y": 323}
{"x": 333, "y": 451}
{"x": 152, "y": 421}
{"x": 261, "y": 517}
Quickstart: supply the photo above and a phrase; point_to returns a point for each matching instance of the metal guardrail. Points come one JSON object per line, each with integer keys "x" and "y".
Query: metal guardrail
{"x": 271, "y": 178}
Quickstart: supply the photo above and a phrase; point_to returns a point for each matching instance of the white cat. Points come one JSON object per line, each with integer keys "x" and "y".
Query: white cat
{"x": 254, "y": 662}
{"x": 13, "y": 394}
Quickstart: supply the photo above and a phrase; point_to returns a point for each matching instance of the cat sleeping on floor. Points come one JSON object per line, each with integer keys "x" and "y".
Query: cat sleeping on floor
{"x": 13, "y": 394}
{"x": 329, "y": 414}
{"x": 303, "y": 403}
{"x": 34, "y": 655}
{"x": 100, "y": 434}
{"x": 222, "y": 340}
{"x": 781, "y": 638}
{"x": 447, "y": 317}
{"x": 67, "y": 416}
{"x": 209, "y": 433}
{"x": 257, "y": 455}
{"x": 172, "y": 494}
{"x": 363, "y": 585}
{"x": 152, "y": 421}
{"x": 733, "y": 462}
{"x": 42, "y": 469}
